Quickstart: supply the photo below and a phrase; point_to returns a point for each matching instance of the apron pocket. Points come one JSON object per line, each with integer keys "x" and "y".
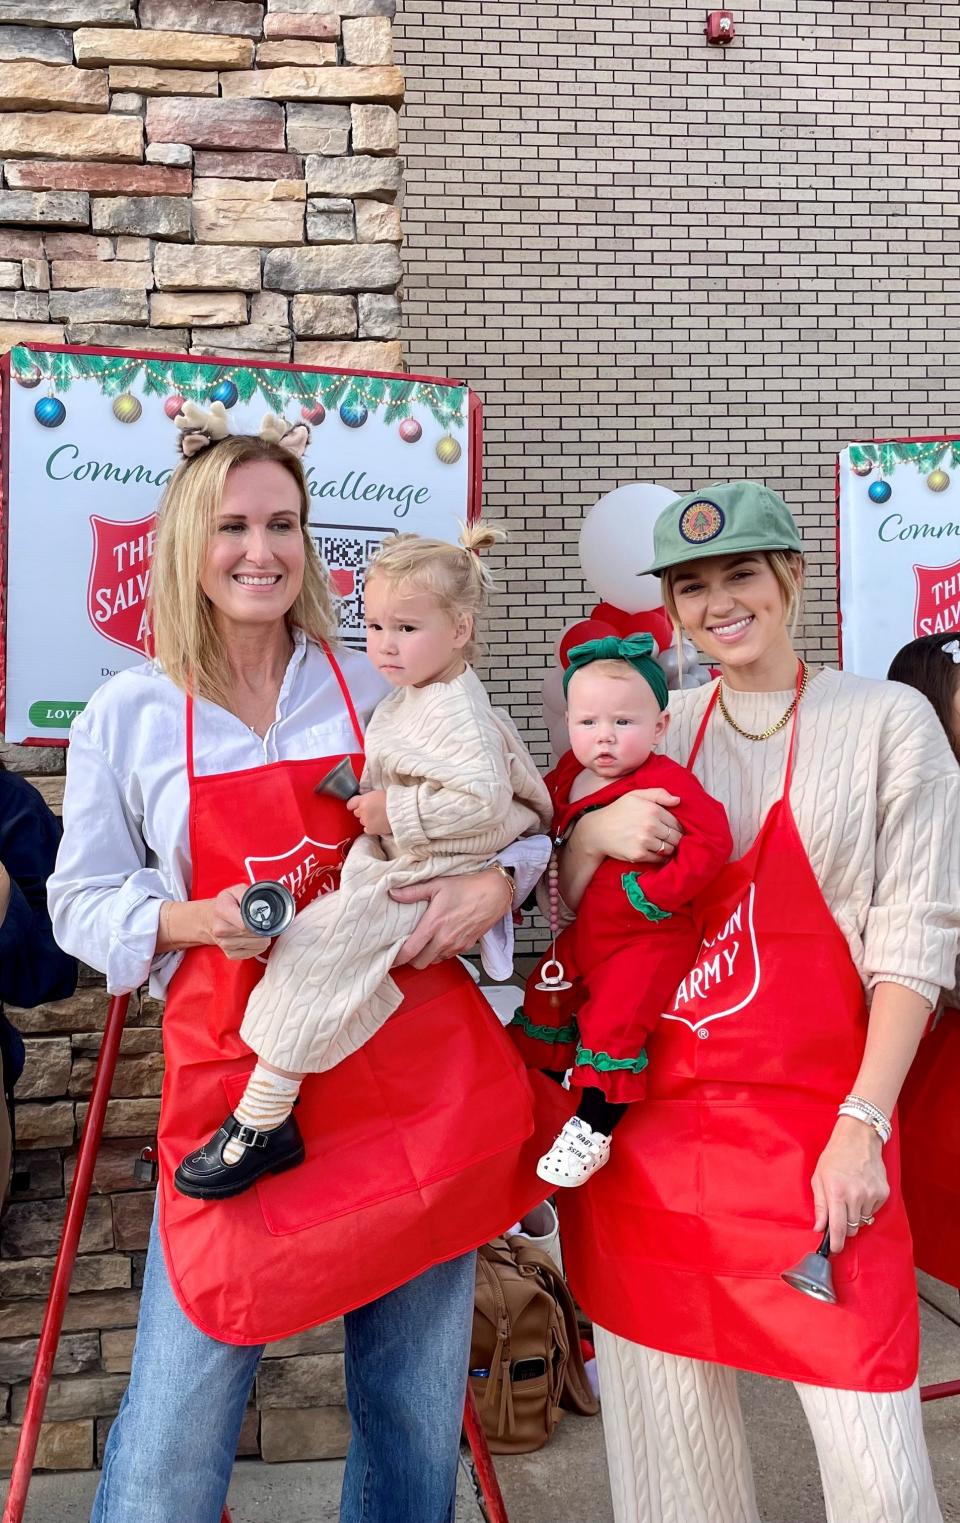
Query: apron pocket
{"x": 718, "y": 1189}
{"x": 353, "y": 1154}
{"x": 437, "y": 1089}
{"x": 453, "y": 1082}
{"x": 756, "y": 1195}
{"x": 715, "y": 1245}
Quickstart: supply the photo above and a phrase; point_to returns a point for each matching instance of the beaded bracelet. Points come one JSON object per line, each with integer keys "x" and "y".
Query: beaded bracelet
{"x": 879, "y": 1117}
{"x": 864, "y": 1110}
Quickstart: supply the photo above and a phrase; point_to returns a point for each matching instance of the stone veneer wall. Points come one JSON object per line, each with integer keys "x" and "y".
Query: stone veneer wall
{"x": 212, "y": 177}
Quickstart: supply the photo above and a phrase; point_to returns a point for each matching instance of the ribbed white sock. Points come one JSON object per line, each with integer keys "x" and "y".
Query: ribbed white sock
{"x": 265, "y": 1104}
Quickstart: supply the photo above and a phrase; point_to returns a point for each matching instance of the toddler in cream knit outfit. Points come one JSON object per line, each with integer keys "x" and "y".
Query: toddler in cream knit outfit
{"x": 447, "y": 784}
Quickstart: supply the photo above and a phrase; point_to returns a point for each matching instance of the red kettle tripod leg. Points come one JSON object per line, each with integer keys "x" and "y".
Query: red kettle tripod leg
{"x": 494, "y": 1505}
{"x": 63, "y": 1269}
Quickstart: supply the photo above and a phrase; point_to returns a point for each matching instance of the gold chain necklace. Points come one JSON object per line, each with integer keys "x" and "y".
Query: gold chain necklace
{"x": 774, "y": 728}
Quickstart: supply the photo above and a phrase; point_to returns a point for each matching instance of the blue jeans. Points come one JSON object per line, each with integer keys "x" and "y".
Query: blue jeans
{"x": 171, "y": 1449}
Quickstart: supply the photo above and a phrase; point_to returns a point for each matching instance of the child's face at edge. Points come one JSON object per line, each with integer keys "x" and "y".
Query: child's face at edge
{"x": 411, "y": 638}
{"x": 614, "y": 722}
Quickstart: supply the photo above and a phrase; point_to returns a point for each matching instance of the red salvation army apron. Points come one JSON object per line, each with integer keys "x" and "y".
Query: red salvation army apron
{"x": 679, "y": 1243}
{"x": 930, "y": 1137}
{"x": 420, "y": 1146}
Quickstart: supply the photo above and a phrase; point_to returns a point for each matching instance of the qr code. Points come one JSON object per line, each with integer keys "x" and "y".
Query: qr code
{"x": 345, "y": 551}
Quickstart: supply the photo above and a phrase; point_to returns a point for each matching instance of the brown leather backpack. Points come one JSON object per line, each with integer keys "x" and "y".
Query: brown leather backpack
{"x": 525, "y": 1359}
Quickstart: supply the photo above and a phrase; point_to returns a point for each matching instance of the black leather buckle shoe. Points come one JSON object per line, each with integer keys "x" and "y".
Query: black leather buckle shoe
{"x": 203, "y": 1175}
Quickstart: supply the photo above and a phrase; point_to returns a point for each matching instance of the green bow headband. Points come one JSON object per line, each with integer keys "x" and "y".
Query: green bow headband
{"x": 636, "y": 650}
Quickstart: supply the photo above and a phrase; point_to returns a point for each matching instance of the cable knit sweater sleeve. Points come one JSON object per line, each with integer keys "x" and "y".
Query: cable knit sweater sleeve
{"x": 910, "y": 936}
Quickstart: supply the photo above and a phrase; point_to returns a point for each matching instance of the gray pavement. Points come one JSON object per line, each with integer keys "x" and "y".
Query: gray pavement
{"x": 566, "y": 1481}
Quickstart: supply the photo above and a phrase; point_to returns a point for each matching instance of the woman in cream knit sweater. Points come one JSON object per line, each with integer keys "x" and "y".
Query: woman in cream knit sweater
{"x": 775, "y": 1071}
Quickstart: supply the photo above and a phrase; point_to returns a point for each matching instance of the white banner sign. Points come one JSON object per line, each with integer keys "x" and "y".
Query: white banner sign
{"x": 88, "y": 446}
{"x": 898, "y": 503}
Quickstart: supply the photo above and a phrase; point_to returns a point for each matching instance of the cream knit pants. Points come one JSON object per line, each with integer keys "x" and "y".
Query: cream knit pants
{"x": 677, "y": 1449}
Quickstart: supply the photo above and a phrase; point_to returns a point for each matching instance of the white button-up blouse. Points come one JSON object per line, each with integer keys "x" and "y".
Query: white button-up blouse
{"x": 126, "y": 842}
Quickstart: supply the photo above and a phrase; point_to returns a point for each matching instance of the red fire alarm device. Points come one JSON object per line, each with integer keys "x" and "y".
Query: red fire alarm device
{"x": 720, "y": 29}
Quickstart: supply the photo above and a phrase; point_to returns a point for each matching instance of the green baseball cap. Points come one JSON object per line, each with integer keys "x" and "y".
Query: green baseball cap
{"x": 729, "y": 518}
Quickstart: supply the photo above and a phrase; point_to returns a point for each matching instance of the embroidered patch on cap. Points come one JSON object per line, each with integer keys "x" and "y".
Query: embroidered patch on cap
{"x": 701, "y": 522}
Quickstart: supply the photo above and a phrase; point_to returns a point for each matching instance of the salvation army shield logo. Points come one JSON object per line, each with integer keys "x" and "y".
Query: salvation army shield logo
{"x": 344, "y": 582}
{"x": 307, "y": 869}
{"x": 120, "y": 579}
{"x": 727, "y": 973}
{"x": 937, "y": 607}
{"x": 346, "y": 551}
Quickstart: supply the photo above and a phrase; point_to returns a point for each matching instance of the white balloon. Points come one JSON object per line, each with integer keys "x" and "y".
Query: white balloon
{"x": 695, "y": 674}
{"x": 555, "y": 711}
{"x": 616, "y": 543}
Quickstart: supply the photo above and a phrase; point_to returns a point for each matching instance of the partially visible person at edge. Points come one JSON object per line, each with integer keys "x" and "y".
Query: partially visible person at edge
{"x": 187, "y": 778}
{"x": 929, "y": 1114}
{"x": 32, "y": 966}
{"x": 775, "y": 1071}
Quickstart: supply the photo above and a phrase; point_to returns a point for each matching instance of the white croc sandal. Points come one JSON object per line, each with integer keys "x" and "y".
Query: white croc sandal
{"x": 577, "y": 1154}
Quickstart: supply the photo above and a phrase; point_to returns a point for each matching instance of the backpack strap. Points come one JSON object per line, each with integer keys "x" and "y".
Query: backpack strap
{"x": 499, "y": 1377}
{"x": 577, "y": 1392}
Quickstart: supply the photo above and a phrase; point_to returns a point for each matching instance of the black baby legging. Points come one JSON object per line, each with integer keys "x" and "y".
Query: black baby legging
{"x": 595, "y": 1109}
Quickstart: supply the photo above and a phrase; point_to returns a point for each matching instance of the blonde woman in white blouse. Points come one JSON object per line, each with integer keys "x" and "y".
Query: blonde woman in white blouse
{"x": 186, "y": 778}
{"x": 774, "y": 1075}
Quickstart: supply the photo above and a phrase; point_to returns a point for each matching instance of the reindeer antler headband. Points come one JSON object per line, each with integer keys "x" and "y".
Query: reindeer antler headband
{"x": 199, "y": 429}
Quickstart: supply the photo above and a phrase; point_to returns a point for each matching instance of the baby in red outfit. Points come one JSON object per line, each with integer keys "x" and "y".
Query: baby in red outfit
{"x": 636, "y": 934}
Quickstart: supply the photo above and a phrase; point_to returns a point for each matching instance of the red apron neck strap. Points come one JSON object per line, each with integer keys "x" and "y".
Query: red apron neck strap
{"x": 190, "y": 771}
{"x": 341, "y": 682}
{"x": 791, "y": 748}
{"x": 698, "y": 742}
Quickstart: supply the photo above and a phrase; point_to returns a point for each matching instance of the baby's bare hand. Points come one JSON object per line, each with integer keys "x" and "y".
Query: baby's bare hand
{"x": 371, "y": 811}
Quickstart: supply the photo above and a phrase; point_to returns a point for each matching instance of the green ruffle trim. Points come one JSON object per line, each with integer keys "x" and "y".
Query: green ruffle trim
{"x": 558, "y": 1034}
{"x": 639, "y": 900}
{"x": 605, "y": 1064}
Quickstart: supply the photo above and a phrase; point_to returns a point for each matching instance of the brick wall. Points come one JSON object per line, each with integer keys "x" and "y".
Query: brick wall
{"x": 657, "y": 260}
{"x": 210, "y": 176}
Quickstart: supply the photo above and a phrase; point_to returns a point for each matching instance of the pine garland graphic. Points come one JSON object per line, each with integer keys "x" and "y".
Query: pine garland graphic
{"x": 115, "y": 374}
{"x": 925, "y": 457}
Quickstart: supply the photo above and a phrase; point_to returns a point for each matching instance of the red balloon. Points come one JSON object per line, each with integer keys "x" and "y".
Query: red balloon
{"x": 614, "y": 616}
{"x": 655, "y": 623}
{"x": 606, "y": 620}
{"x": 587, "y": 629}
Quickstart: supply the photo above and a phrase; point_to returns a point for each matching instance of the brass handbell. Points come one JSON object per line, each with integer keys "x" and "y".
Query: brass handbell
{"x": 813, "y": 1274}
{"x": 340, "y": 781}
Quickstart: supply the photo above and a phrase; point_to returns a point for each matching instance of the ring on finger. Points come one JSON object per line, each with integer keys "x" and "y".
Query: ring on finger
{"x": 663, "y": 845}
{"x": 852, "y": 1226}
{"x": 867, "y": 1221}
